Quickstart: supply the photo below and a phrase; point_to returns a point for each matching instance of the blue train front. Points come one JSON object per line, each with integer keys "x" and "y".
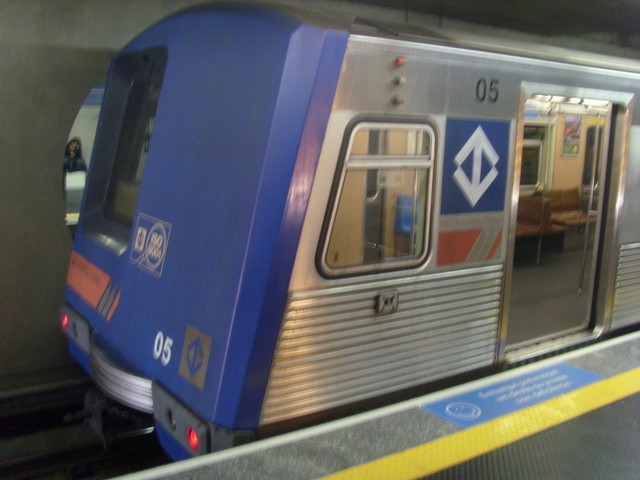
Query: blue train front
{"x": 289, "y": 218}
{"x": 225, "y": 109}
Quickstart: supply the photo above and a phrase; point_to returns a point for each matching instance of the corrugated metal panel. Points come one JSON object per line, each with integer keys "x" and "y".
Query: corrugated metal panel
{"x": 626, "y": 302}
{"x": 334, "y": 350}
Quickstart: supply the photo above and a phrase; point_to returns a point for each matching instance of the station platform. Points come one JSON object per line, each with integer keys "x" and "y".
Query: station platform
{"x": 573, "y": 416}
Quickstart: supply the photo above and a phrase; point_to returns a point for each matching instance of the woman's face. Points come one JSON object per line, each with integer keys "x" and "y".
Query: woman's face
{"x": 73, "y": 148}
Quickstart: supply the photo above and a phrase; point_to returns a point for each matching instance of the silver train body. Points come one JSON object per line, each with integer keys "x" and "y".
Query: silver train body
{"x": 333, "y": 350}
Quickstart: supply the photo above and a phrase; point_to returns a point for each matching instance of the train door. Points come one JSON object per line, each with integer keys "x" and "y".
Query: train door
{"x": 560, "y": 190}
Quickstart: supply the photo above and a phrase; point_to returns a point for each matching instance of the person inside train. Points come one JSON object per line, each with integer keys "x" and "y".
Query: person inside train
{"x": 73, "y": 158}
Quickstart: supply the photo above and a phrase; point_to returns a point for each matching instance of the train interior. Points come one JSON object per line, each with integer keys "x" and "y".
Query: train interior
{"x": 561, "y": 183}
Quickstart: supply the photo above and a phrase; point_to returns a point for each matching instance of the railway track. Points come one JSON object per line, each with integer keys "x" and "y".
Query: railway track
{"x": 96, "y": 440}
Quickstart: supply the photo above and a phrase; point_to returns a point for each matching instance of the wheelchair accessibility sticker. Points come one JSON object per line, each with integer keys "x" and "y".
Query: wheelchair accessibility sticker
{"x": 475, "y": 170}
{"x": 498, "y": 399}
{"x": 150, "y": 244}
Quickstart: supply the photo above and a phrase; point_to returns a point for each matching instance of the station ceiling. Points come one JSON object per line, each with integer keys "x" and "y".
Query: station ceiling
{"x": 611, "y": 21}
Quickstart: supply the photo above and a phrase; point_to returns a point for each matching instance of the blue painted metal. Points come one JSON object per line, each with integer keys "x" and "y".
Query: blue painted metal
{"x": 242, "y": 113}
{"x": 80, "y": 356}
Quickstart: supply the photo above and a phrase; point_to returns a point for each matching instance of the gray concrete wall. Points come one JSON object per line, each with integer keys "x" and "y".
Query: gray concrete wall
{"x": 51, "y": 54}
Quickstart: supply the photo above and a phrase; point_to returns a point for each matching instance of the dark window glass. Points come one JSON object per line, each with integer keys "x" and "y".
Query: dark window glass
{"x": 531, "y": 157}
{"x": 141, "y": 104}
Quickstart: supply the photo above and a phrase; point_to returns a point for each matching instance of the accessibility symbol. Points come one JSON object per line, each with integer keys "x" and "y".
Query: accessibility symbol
{"x": 476, "y": 165}
{"x": 194, "y": 360}
{"x": 463, "y": 410}
{"x": 477, "y": 149}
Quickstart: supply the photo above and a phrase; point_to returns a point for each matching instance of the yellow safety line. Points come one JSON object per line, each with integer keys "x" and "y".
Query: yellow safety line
{"x": 464, "y": 445}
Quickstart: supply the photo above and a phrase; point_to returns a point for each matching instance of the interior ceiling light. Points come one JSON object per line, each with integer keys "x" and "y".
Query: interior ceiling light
{"x": 596, "y": 103}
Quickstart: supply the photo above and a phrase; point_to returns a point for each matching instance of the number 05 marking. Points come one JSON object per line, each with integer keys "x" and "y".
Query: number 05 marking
{"x": 487, "y": 90}
{"x": 162, "y": 348}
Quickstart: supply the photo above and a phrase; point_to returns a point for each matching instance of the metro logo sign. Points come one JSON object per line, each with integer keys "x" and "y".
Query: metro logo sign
{"x": 476, "y": 150}
{"x": 476, "y": 165}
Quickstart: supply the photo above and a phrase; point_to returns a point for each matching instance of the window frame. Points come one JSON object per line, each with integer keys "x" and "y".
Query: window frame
{"x": 367, "y": 163}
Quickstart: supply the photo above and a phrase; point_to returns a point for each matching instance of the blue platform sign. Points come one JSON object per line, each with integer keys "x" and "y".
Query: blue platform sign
{"x": 506, "y": 397}
{"x": 476, "y": 162}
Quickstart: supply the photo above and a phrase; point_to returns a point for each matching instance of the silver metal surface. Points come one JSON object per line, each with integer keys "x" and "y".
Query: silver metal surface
{"x": 334, "y": 350}
{"x": 626, "y": 302}
{"x": 442, "y": 79}
{"x": 129, "y": 389}
{"x": 619, "y": 228}
{"x": 628, "y": 206}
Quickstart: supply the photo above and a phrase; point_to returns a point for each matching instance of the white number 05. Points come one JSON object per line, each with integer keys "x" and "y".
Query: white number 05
{"x": 162, "y": 348}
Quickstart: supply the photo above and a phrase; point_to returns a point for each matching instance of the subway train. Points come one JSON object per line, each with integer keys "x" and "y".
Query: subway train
{"x": 291, "y": 215}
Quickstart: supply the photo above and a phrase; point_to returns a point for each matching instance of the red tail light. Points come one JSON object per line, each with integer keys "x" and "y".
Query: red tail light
{"x": 192, "y": 439}
{"x": 65, "y": 321}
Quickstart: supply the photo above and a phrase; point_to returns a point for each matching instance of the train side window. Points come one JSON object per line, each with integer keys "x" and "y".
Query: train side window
{"x": 121, "y": 146}
{"x": 381, "y": 210}
{"x": 531, "y": 163}
{"x": 532, "y": 158}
